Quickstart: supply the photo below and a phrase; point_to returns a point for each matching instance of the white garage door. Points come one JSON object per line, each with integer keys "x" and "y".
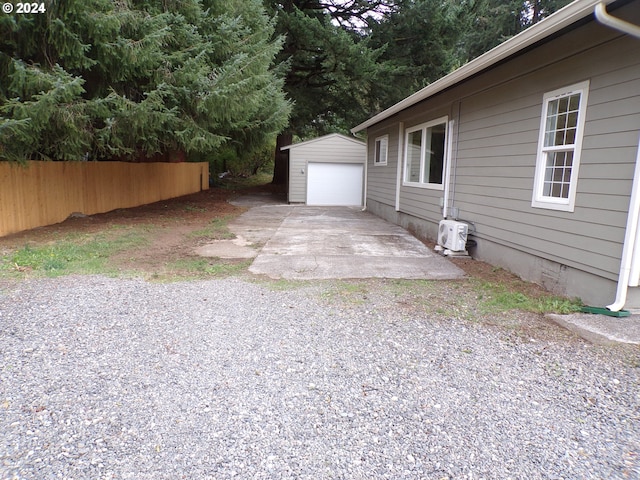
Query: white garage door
{"x": 334, "y": 184}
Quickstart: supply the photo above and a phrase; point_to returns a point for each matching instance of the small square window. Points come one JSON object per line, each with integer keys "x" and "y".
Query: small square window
{"x": 381, "y": 150}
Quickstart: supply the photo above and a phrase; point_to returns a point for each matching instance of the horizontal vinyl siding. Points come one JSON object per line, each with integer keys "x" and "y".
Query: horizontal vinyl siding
{"x": 297, "y": 179}
{"x": 421, "y": 202}
{"x": 331, "y": 150}
{"x": 497, "y": 150}
{"x": 381, "y": 179}
{"x": 553, "y": 240}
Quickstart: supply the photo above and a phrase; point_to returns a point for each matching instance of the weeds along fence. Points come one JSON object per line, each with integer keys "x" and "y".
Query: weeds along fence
{"x": 43, "y": 193}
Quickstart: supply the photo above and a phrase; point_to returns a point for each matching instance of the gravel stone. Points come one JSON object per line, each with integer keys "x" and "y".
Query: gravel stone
{"x": 106, "y": 378}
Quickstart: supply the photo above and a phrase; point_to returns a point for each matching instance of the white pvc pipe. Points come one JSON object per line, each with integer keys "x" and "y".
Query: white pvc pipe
{"x": 631, "y": 233}
{"x": 603, "y": 17}
{"x": 447, "y": 176}
{"x": 400, "y": 163}
{"x": 366, "y": 176}
{"x": 630, "y": 238}
{"x": 635, "y": 257}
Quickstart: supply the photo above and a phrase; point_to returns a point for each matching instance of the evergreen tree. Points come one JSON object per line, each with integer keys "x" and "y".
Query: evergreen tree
{"x": 331, "y": 69}
{"x": 420, "y": 41}
{"x": 423, "y": 40}
{"x": 121, "y": 79}
{"x": 487, "y": 23}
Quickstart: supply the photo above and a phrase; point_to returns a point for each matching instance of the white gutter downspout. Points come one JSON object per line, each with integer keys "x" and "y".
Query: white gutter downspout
{"x": 366, "y": 177}
{"x": 400, "y": 162}
{"x": 631, "y": 233}
{"x": 625, "y": 27}
{"x": 447, "y": 175}
{"x": 630, "y": 238}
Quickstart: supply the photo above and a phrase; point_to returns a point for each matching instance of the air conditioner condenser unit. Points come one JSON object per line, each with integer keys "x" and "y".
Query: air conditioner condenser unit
{"x": 452, "y": 235}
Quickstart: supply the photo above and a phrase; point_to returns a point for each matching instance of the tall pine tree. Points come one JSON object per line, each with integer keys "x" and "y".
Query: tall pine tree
{"x": 423, "y": 40}
{"x": 138, "y": 77}
{"x": 331, "y": 69}
{"x": 487, "y": 23}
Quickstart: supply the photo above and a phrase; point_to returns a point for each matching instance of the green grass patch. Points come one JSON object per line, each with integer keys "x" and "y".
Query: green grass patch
{"x": 354, "y": 292}
{"x": 283, "y": 284}
{"x": 463, "y": 298}
{"x": 410, "y": 287}
{"x": 217, "y": 229}
{"x": 79, "y": 254}
{"x": 495, "y": 297}
{"x": 196, "y": 268}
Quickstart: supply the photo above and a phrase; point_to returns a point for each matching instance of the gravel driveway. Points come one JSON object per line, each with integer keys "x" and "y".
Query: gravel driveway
{"x": 108, "y": 378}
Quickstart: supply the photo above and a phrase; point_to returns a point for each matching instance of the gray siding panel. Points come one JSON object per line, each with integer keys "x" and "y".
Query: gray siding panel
{"x": 421, "y": 202}
{"x": 591, "y": 237}
{"x": 609, "y": 205}
{"x": 601, "y": 171}
{"x": 501, "y": 138}
{"x": 382, "y": 178}
{"x": 610, "y": 140}
{"x": 500, "y": 151}
{"x": 297, "y": 180}
{"x": 618, "y": 108}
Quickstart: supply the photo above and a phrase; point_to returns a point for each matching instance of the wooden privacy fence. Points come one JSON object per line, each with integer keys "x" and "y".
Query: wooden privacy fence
{"x": 43, "y": 193}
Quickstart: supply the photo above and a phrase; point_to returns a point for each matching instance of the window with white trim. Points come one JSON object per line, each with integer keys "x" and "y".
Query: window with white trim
{"x": 559, "y": 147}
{"x": 381, "y": 150}
{"x": 425, "y": 154}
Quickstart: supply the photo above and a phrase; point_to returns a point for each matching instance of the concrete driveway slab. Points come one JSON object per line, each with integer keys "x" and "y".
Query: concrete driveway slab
{"x": 601, "y": 329}
{"x": 336, "y": 242}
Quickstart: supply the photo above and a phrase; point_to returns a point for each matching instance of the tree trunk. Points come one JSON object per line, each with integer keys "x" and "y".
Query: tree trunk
{"x": 281, "y": 159}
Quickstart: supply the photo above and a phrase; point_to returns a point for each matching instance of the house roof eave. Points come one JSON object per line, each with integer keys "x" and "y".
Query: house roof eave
{"x": 324, "y": 137}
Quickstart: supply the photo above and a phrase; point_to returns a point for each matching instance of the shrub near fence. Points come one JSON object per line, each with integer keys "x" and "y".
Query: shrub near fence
{"x": 44, "y": 193}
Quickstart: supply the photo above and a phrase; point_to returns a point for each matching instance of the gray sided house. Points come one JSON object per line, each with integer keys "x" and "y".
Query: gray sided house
{"x": 327, "y": 170}
{"x": 534, "y": 145}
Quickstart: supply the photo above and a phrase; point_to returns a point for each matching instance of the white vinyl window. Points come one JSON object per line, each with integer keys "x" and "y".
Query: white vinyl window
{"x": 381, "y": 150}
{"x": 559, "y": 147}
{"x": 425, "y": 154}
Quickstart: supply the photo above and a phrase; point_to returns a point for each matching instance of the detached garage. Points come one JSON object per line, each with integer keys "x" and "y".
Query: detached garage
{"x": 327, "y": 170}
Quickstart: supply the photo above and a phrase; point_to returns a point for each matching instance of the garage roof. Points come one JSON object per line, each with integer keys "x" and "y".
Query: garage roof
{"x": 551, "y": 25}
{"x": 325, "y": 137}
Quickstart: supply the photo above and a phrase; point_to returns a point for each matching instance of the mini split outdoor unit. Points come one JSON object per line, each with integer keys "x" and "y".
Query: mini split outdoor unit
{"x": 452, "y": 235}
